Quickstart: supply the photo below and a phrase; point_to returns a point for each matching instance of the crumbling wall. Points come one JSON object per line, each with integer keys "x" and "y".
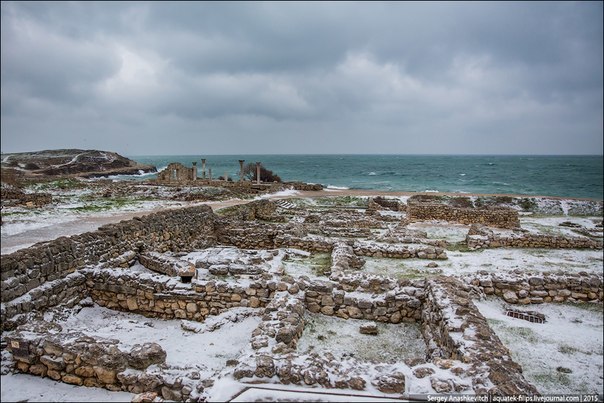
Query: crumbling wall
{"x": 481, "y": 237}
{"x": 82, "y": 360}
{"x": 161, "y": 297}
{"x": 176, "y": 172}
{"x": 27, "y": 269}
{"x": 393, "y": 306}
{"x": 167, "y": 265}
{"x": 66, "y": 291}
{"x": 530, "y": 289}
{"x": 501, "y": 217}
{"x": 375, "y": 249}
{"x": 453, "y": 328}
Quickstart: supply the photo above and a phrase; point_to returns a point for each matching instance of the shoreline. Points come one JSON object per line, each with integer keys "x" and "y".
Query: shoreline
{"x": 395, "y": 193}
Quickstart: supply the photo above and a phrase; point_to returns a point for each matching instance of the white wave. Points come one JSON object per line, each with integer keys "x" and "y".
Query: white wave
{"x": 288, "y": 192}
{"x": 331, "y": 187}
{"x": 462, "y": 174}
{"x": 372, "y": 174}
{"x": 431, "y": 191}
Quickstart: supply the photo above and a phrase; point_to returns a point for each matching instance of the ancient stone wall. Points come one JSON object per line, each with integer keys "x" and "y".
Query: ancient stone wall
{"x": 344, "y": 258}
{"x": 392, "y": 307}
{"x": 453, "y": 328}
{"x": 531, "y": 289}
{"x": 173, "y": 230}
{"x": 375, "y": 249}
{"x": 66, "y": 291}
{"x": 480, "y": 237}
{"x": 167, "y": 265}
{"x": 498, "y": 217}
{"x": 176, "y": 172}
{"x": 165, "y": 298}
{"x": 82, "y": 360}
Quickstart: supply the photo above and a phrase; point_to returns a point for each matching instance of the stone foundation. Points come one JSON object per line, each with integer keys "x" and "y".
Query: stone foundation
{"x": 81, "y": 360}
{"x": 497, "y": 217}
{"x": 454, "y": 329}
{"x": 165, "y": 298}
{"x": 530, "y": 289}
{"x": 27, "y": 269}
{"x": 95, "y": 265}
{"x": 481, "y": 237}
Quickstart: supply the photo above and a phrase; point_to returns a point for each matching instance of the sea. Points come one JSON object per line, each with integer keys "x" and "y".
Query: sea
{"x": 565, "y": 176}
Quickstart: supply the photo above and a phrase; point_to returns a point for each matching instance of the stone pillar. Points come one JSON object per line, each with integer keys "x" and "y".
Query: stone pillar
{"x": 194, "y": 171}
{"x": 210, "y": 173}
{"x": 226, "y": 176}
{"x": 203, "y": 168}
{"x": 258, "y": 173}
{"x": 241, "y": 170}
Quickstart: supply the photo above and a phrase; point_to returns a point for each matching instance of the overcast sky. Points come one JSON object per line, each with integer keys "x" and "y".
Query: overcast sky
{"x": 322, "y": 77}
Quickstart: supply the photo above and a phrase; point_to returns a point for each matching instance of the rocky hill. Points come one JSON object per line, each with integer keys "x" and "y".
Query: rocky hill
{"x": 72, "y": 162}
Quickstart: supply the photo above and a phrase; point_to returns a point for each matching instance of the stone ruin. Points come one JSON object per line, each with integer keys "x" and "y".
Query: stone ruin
{"x": 177, "y": 172}
{"x": 463, "y": 354}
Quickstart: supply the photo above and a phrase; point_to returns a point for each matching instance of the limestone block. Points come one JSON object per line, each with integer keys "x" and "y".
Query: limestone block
{"x": 510, "y": 297}
{"x": 370, "y": 328}
{"x": 105, "y": 375}
{"x": 72, "y": 379}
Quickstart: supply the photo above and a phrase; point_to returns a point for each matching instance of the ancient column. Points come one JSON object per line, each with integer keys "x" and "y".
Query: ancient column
{"x": 203, "y": 168}
{"x": 226, "y": 176}
{"x": 194, "y": 171}
{"x": 241, "y": 170}
{"x": 258, "y": 173}
{"x": 210, "y": 173}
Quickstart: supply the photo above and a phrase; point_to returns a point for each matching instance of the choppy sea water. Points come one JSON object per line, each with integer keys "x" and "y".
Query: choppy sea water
{"x": 566, "y": 176}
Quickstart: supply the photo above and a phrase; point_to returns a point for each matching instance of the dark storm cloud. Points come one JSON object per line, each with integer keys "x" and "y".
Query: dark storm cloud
{"x": 352, "y": 77}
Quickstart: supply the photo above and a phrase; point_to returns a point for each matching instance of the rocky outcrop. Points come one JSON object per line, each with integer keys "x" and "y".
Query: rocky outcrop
{"x": 73, "y": 162}
{"x": 13, "y": 196}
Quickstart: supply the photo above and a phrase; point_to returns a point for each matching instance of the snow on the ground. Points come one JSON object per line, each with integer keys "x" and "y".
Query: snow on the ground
{"x": 570, "y": 340}
{"x": 256, "y": 394}
{"x": 30, "y": 388}
{"x": 551, "y": 224}
{"x": 504, "y": 260}
{"x": 225, "y": 388}
{"x": 500, "y": 261}
{"x": 435, "y": 229}
{"x": 205, "y": 351}
{"x": 282, "y": 193}
{"x": 342, "y": 338}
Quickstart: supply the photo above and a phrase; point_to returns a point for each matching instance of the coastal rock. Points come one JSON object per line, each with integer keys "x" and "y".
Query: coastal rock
{"x": 73, "y": 162}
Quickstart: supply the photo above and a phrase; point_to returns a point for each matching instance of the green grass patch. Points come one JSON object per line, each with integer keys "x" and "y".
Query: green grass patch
{"x": 61, "y": 184}
{"x": 459, "y": 247}
{"x": 526, "y": 333}
{"x": 227, "y": 211}
{"x": 320, "y": 263}
{"x": 104, "y": 205}
{"x": 344, "y": 201}
{"x": 566, "y": 349}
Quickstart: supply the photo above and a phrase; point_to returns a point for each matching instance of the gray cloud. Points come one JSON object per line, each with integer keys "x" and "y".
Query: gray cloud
{"x": 154, "y": 78}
